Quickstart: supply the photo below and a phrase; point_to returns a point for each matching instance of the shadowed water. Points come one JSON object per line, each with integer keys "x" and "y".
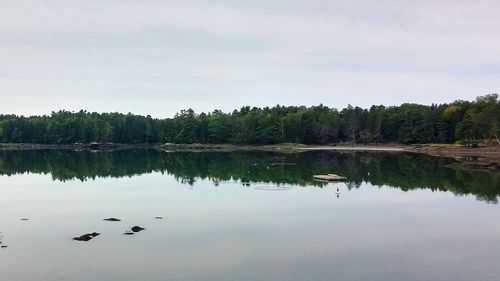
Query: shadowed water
{"x": 246, "y": 216}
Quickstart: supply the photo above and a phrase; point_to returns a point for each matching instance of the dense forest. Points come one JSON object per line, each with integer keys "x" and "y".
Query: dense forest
{"x": 459, "y": 121}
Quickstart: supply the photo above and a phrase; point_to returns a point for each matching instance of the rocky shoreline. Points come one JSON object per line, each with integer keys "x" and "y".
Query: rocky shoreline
{"x": 484, "y": 156}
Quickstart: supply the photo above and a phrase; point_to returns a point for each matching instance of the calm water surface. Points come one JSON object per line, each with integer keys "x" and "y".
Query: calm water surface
{"x": 246, "y": 216}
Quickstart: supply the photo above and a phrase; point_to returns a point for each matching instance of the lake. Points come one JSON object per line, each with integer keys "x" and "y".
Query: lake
{"x": 245, "y": 216}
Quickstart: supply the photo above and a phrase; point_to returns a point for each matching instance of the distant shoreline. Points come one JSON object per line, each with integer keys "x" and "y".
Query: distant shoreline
{"x": 447, "y": 150}
{"x": 485, "y": 158}
{"x": 444, "y": 150}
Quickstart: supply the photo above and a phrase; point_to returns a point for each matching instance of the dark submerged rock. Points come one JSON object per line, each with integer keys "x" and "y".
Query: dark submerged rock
{"x": 86, "y": 237}
{"x": 112, "y": 219}
{"x": 158, "y": 218}
{"x": 137, "y": 228}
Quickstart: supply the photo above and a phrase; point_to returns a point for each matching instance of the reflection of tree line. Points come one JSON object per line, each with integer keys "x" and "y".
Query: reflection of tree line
{"x": 404, "y": 171}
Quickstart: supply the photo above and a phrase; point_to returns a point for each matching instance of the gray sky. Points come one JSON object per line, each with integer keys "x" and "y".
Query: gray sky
{"x": 158, "y": 57}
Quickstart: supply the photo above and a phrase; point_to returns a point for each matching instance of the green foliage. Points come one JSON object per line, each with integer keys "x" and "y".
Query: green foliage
{"x": 65, "y": 127}
{"x": 408, "y": 123}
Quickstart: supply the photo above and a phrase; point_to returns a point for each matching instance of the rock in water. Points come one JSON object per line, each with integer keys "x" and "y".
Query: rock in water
{"x": 158, "y": 218}
{"x": 112, "y": 219}
{"x": 137, "y": 228}
{"x": 128, "y": 232}
{"x": 329, "y": 177}
{"x": 86, "y": 237}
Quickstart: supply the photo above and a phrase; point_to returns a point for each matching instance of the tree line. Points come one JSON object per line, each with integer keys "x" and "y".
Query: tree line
{"x": 459, "y": 121}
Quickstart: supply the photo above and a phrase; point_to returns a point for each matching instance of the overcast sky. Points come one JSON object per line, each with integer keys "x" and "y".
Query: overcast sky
{"x": 158, "y": 57}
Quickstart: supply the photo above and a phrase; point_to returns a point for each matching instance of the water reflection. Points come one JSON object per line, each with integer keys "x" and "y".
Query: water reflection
{"x": 277, "y": 170}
